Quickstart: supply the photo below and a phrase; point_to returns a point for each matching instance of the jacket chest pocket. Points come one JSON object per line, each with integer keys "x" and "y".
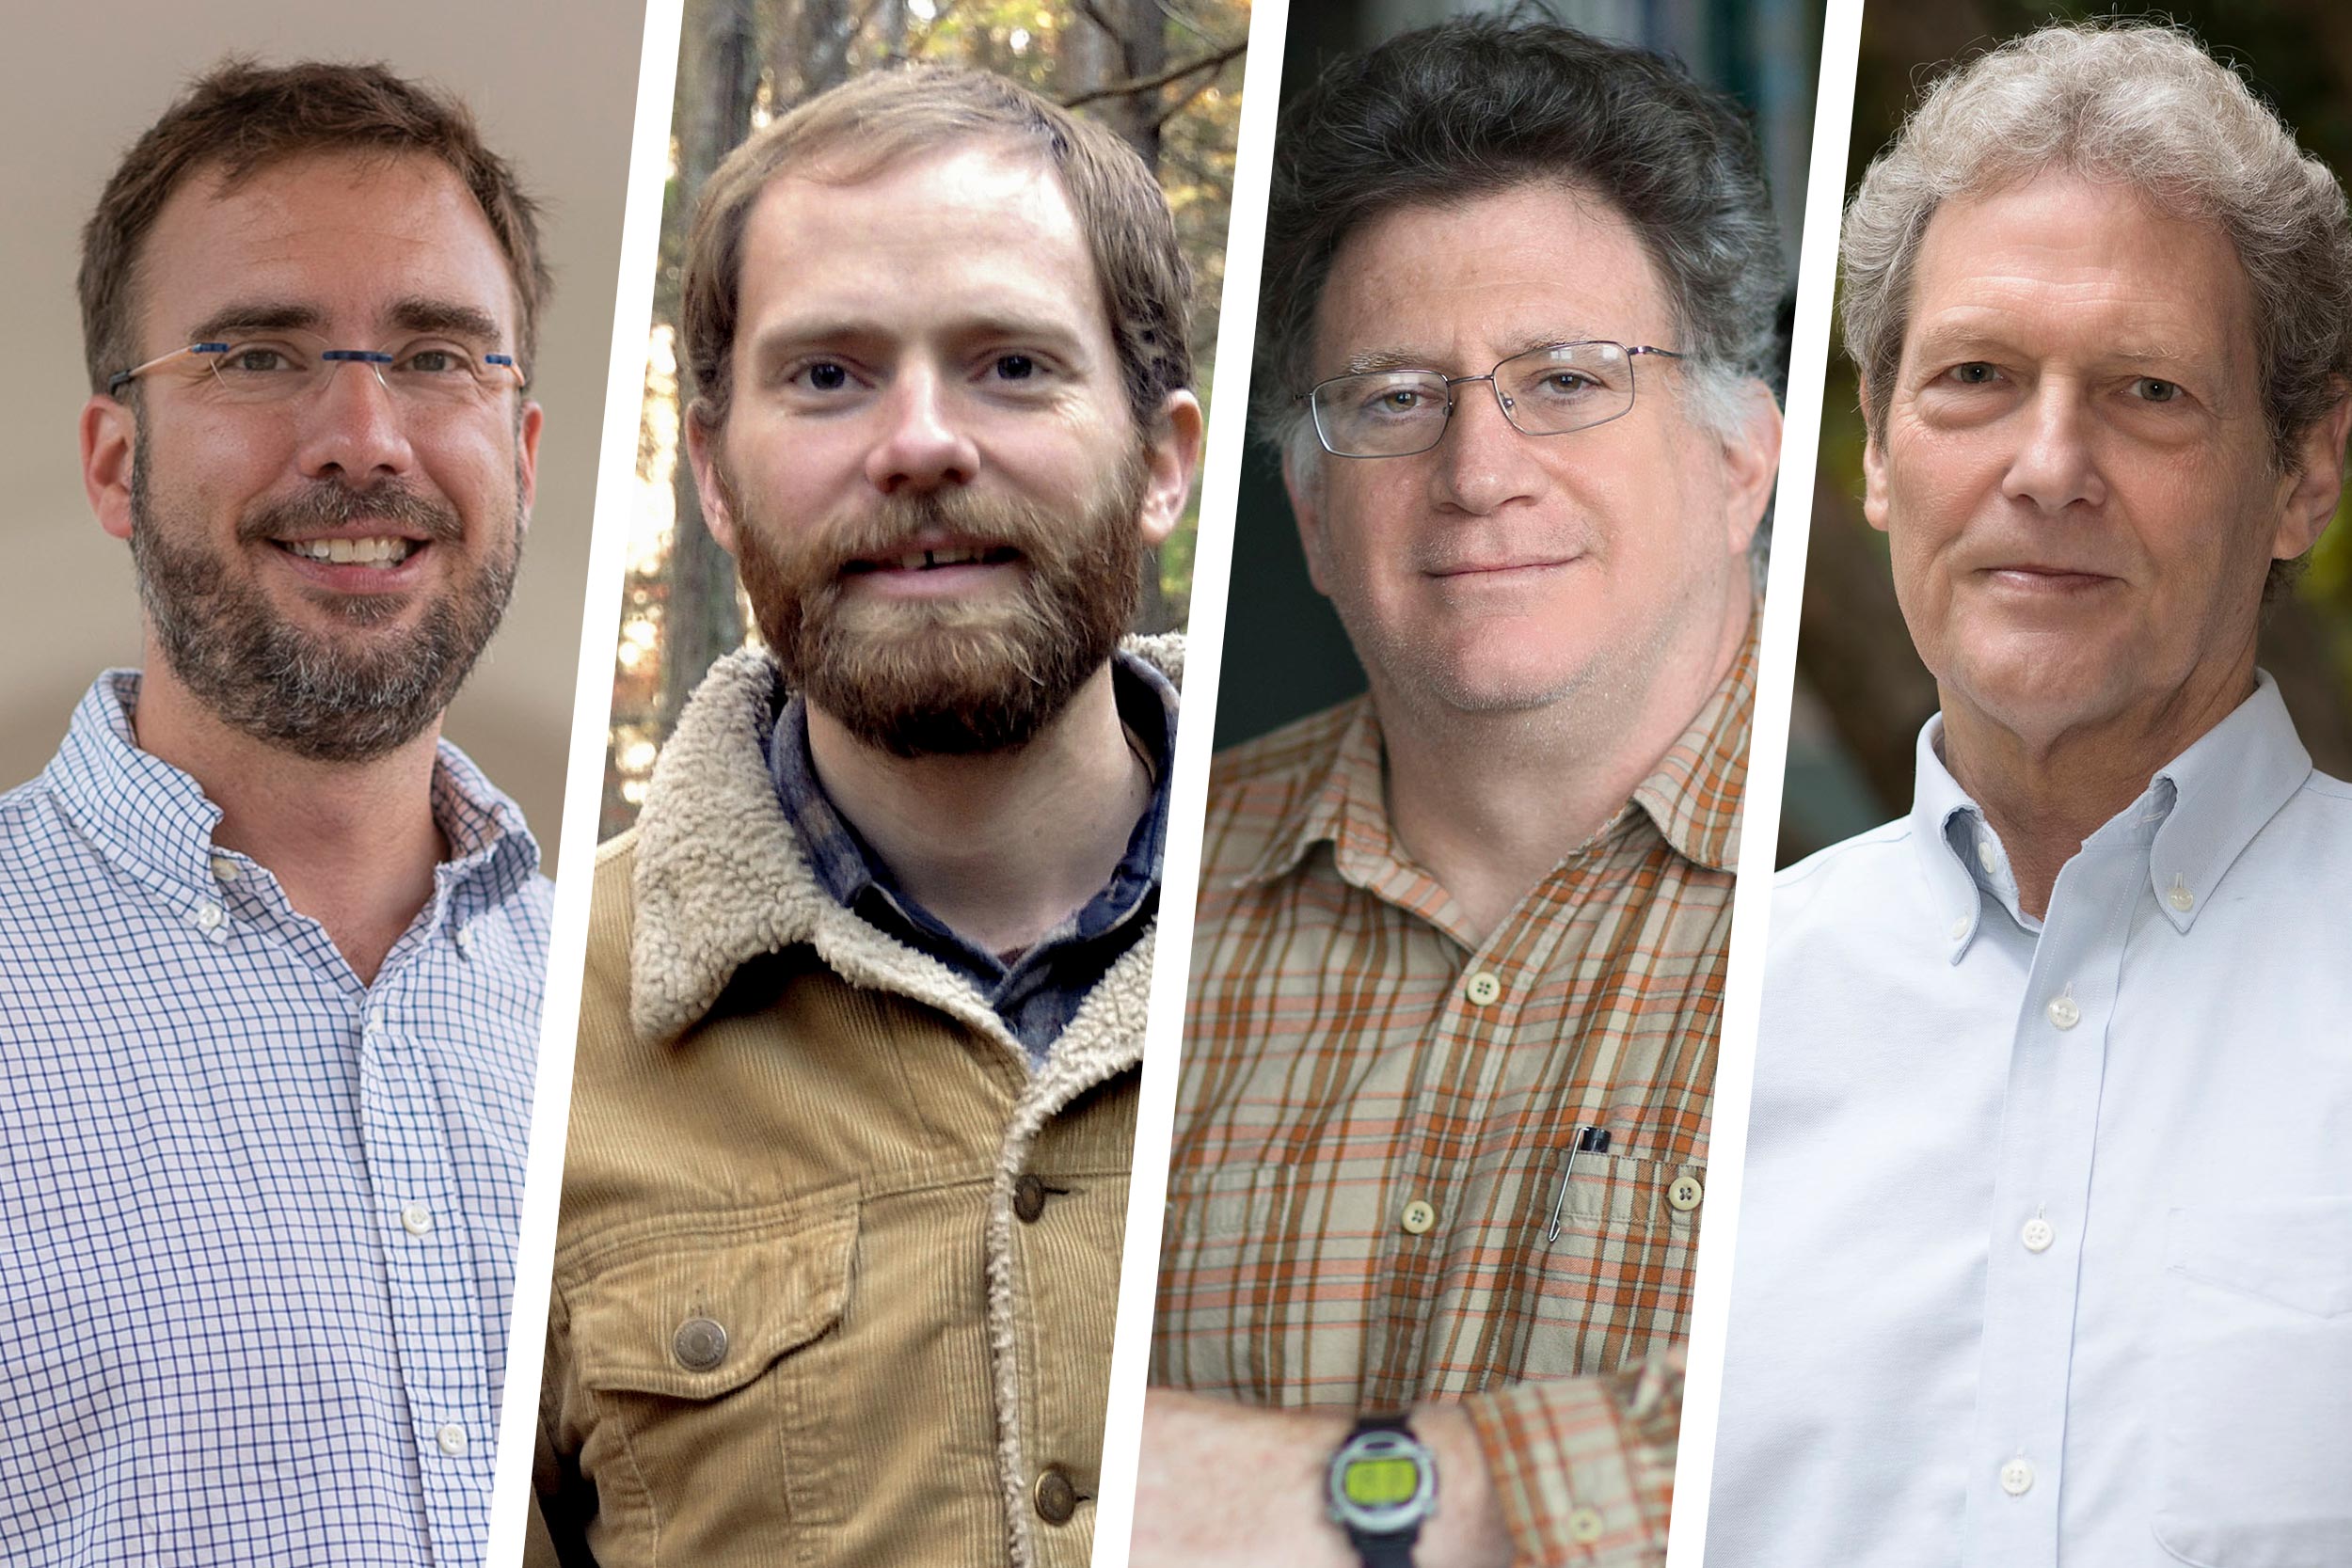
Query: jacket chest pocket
{"x": 2254, "y": 1467}
{"x": 708, "y": 1432}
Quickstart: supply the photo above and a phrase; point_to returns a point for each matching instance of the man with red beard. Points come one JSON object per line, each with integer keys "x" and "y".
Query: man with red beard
{"x": 859, "y": 1042}
{"x": 271, "y": 952}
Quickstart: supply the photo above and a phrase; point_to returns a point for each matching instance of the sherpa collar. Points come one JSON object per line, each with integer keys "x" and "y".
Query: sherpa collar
{"x": 720, "y": 877}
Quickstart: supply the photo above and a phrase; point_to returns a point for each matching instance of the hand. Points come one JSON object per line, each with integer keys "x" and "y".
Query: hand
{"x": 1230, "y": 1484}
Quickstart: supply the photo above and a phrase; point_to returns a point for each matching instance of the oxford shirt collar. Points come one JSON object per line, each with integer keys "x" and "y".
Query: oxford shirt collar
{"x": 2197, "y": 813}
{"x": 154, "y": 822}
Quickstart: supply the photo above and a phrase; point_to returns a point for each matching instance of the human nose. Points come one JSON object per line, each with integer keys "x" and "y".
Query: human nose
{"x": 353, "y": 426}
{"x": 923, "y": 444}
{"x": 2054, "y": 464}
{"x": 1483, "y": 459}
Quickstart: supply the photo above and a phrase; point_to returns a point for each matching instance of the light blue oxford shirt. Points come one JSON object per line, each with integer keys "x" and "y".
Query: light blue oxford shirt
{"x": 2045, "y": 1248}
{"x": 257, "y": 1219}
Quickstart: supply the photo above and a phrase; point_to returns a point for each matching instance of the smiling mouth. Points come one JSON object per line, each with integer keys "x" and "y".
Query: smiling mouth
{"x": 384, "y": 550}
{"x": 929, "y": 560}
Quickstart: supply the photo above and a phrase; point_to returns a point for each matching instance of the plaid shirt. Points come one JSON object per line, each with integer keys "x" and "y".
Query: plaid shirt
{"x": 1377, "y": 1109}
{"x": 257, "y": 1219}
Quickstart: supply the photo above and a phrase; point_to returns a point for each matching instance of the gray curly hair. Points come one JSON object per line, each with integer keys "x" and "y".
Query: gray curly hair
{"x": 2140, "y": 104}
{"x": 1477, "y": 105}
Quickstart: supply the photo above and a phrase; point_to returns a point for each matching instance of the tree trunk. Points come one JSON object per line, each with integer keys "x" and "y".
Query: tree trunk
{"x": 718, "y": 84}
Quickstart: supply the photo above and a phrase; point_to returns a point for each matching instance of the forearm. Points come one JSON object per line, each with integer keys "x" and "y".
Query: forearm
{"x": 1227, "y": 1483}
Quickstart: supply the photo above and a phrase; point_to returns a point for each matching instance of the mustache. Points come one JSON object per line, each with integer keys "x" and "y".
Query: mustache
{"x": 895, "y": 522}
{"x": 329, "y": 503}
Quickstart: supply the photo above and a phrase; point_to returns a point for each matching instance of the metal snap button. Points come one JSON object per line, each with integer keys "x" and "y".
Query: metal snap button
{"x": 1055, "y": 1498}
{"x": 701, "y": 1344}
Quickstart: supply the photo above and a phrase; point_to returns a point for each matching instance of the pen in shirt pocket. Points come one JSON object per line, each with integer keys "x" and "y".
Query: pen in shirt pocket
{"x": 1589, "y": 1140}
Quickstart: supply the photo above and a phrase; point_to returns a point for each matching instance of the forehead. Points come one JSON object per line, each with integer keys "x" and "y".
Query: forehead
{"x": 2060, "y": 264}
{"x": 966, "y": 232}
{"x": 347, "y": 235}
{"x": 1456, "y": 286}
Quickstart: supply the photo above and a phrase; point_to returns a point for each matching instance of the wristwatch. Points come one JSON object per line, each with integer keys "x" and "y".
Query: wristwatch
{"x": 1382, "y": 1487}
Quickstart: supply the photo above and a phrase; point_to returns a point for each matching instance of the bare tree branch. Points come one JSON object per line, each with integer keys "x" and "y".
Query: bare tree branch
{"x": 1209, "y": 61}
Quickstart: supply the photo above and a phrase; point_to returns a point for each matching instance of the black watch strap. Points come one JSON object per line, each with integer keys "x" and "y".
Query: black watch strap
{"x": 1387, "y": 1549}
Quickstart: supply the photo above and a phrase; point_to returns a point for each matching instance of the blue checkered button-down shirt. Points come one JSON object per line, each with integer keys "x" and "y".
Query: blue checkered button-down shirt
{"x": 257, "y": 1219}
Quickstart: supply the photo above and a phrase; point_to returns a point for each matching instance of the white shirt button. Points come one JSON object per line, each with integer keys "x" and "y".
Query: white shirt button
{"x": 463, "y": 936}
{"x": 1685, "y": 1193}
{"x": 208, "y": 917}
{"x": 1482, "y": 987}
{"x": 225, "y": 870}
{"x": 1584, "y": 1526}
{"x": 452, "y": 1437}
{"x": 415, "y": 1219}
{"x": 1959, "y": 927}
{"x": 1417, "y": 1217}
{"x": 2017, "y": 1477}
{"x": 2038, "y": 1235}
{"x": 1985, "y": 857}
{"x": 2063, "y": 1013}
{"x": 2181, "y": 898}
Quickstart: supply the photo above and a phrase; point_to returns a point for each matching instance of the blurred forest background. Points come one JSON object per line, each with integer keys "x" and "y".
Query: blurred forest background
{"x": 1860, "y": 692}
{"x": 1165, "y": 73}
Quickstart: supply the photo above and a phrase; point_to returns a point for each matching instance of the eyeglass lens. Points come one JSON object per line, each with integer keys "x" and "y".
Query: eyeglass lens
{"x": 1547, "y": 391}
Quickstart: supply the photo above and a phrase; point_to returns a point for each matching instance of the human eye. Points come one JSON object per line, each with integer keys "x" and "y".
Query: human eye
{"x": 2150, "y": 388}
{"x": 255, "y": 360}
{"x": 1014, "y": 367}
{"x": 819, "y": 377}
{"x": 1389, "y": 397}
{"x": 1972, "y": 373}
{"x": 435, "y": 360}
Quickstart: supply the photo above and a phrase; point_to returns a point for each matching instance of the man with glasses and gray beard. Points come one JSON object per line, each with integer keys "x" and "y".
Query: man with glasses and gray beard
{"x": 859, "y": 1042}
{"x": 270, "y": 951}
{"x": 1441, "y": 1130}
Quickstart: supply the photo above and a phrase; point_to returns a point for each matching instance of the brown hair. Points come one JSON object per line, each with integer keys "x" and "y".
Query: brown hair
{"x": 854, "y": 129}
{"x": 239, "y": 118}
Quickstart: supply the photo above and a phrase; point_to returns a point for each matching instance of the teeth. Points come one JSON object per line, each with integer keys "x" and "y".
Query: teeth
{"x": 344, "y": 552}
{"x": 923, "y": 559}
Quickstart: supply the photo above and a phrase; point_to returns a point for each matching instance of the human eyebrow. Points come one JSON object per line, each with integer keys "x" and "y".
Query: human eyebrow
{"x": 1373, "y": 361}
{"x": 444, "y": 317}
{"x": 245, "y": 317}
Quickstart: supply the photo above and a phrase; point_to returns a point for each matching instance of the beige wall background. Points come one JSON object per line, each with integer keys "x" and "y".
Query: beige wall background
{"x": 553, "y": 83}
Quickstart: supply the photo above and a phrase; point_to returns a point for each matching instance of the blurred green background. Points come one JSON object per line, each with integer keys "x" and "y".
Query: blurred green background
{"x": 1860, "y": 692}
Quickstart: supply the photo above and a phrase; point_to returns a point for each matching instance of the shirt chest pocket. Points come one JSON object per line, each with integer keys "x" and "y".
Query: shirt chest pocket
{"x": 710, "y": 1427}
{"x": 2255, "y": 1456}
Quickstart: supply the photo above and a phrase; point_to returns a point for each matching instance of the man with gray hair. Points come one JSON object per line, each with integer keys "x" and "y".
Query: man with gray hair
{"x": 1442, "y": 1123}
{"x": 2013, "y": 1286}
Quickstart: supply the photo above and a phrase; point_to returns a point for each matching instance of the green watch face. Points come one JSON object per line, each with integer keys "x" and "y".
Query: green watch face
{"x": 1372, "y": 1482}
{"x": 1382, "y": 1483}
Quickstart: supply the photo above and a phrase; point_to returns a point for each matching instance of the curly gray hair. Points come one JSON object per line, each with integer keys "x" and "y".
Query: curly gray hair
{"x": 1477, "y": 105}
{"x": 2143, "y": 104}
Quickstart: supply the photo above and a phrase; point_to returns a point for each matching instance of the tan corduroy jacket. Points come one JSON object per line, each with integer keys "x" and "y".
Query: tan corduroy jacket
{"x": 835, "y": 1273}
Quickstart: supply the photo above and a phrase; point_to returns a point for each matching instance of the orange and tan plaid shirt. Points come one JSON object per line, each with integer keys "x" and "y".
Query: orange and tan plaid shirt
{"x": 1376, "y": 1110}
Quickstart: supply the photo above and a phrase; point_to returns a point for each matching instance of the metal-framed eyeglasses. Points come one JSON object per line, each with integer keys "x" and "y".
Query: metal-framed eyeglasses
{"x": 288, "y": 365}
{"x": 1545, "y": 391}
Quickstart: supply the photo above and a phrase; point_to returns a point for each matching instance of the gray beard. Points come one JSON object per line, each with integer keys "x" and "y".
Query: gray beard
{"x": 310, "y": 693}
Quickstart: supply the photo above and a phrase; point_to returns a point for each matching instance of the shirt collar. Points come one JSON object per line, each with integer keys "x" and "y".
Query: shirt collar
{"x": 847, "y": 865}
{"x": 154, "y": 823}
{"x": 2197, "y": 816}
{"x": 1693, "y": 795}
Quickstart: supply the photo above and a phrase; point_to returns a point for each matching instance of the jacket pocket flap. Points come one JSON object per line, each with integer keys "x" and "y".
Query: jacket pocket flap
{"x": 699, "y": 1316}
{"x": 2294, "y": 1251}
